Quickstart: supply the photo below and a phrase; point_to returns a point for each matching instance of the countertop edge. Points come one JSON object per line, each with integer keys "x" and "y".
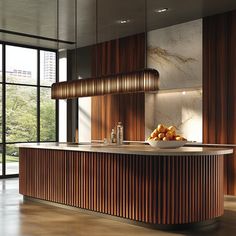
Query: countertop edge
{"x": 134, "y": 149}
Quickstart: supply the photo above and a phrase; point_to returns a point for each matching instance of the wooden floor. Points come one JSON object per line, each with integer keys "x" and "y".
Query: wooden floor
{"x": 18, "y": 218}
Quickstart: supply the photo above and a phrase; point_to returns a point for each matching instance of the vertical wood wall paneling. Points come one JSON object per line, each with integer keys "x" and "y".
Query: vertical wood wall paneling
{"x": 116, "y": 56}
{"x": 219, "y": 88}
{"x": 157, "y": 189}
{"x": 232, "y": 97}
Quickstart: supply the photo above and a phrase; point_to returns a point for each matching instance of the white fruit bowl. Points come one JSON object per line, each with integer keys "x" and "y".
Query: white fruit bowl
{"x": 166, "y": 144}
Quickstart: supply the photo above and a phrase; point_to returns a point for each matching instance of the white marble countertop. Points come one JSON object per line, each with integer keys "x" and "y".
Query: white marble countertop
{"x": 197, "y": 144}
{"x": 137, "y": 149}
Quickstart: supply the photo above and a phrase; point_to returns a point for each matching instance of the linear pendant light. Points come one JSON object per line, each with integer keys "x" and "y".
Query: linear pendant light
{"x": 145, "y": 80}
{"x": 132, "y": 82}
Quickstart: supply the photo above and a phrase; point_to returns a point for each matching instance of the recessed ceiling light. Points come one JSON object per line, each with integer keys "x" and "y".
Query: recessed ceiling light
{"x": 161, "y": 10}
{"x": 125, "y": 21}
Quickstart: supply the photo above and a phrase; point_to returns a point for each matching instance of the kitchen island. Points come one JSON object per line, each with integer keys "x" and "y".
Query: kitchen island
{"x": 140, "y": 184}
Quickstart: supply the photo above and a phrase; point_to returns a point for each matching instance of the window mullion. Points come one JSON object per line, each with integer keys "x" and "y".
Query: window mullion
{"x": 57, "y": 101}
{"x": 3, "y": 109}
{"x": 38, "y": 95}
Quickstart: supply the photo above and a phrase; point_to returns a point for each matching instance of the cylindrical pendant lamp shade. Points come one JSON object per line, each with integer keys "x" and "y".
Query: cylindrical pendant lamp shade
{"x": 132, "y": 82}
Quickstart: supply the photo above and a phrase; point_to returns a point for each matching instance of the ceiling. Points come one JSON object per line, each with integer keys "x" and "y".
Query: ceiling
{"x": 39, "y": 18}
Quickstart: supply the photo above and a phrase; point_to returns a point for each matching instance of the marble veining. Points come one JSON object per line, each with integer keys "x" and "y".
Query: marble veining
{"x": 161, "y": 57}
{"x": 176, "y": 52}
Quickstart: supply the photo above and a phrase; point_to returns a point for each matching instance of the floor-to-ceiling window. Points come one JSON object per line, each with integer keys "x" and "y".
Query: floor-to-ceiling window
{"x": 27, "y": 113}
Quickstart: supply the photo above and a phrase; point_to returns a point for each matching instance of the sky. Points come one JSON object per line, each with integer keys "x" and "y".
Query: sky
{"x": 21, "y": 59}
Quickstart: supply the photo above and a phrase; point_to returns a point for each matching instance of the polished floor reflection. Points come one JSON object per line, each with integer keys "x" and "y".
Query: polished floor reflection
{"x": 12, "y": 168}
{"x": 18, "y": 218}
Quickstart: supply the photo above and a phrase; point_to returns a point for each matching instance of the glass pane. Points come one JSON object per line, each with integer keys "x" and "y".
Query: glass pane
{"x": 12, "y": 159}
{"x": 47, "y": 116}
{"x": 0, "y": 159}
{"x": 0, "y": 62}
{"x": 21, "y": 65}
{"x": 21, "y": 113}
{"x": 47, "y": 68}
{"x": 0, "y": 113}
{"x": 1, "y": 96}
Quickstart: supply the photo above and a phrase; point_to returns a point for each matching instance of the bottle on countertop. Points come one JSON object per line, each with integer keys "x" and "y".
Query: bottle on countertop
{"x": 113, "y": 136}
{"x": 119, "y": 133}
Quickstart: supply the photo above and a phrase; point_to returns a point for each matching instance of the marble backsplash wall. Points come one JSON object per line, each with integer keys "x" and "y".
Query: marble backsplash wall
{"x": 181, "y": 109}
{"x": 176, "y": 52}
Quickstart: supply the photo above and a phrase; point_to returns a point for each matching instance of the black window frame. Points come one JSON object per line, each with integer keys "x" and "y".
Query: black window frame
{"x": 38, "y": 86}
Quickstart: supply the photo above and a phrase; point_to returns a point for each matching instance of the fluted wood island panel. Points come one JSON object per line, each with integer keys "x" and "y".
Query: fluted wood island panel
{"x": 151, "y": 189}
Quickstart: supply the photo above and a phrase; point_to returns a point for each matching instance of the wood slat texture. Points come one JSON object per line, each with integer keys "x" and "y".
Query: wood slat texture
{"x": 119, "y": 56}
{"x": 155, "y": 189}
{"x": 219, "y": 88}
